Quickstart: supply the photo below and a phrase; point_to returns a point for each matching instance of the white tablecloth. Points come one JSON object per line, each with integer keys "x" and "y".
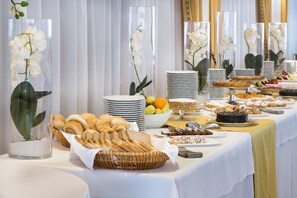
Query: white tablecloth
{"x": 224, "y": 171}
{"x": 19, "y": 180}
{"x": 286, "y": 155}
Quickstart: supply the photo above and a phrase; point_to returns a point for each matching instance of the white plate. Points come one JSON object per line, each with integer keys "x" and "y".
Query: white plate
{"x": 281, "y": 108}
{"x": 209, "y": 142}
{"x": 250, "y": 122}
{"x": 249, "y": 115}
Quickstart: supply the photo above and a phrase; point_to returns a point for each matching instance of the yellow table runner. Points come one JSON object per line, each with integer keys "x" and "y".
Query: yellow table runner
{"x": 264, "y": 152}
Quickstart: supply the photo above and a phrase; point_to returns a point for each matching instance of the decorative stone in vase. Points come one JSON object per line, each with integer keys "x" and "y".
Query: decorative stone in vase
{"x": 30, "y": 76}
{"x": 196, "y": 39}
{"x": 254, "y": 47}
{"x": 226, "y": 41}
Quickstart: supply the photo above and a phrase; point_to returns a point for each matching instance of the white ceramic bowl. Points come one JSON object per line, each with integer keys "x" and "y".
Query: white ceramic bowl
{"x": 156, "y": 120}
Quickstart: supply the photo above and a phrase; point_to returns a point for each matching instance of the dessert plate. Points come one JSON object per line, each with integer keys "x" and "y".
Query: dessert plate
{"x": 250, "y": 122}
{"x": 209, "y": 142}
{"x": 249, "y": 115}
{"x": 281, "y": 108}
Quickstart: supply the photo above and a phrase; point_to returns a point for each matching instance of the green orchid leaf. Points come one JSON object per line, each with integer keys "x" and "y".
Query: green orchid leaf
{"x": 229, "y": 70}
{"x": 138, "y": 89}
{"x": 23, "y": 108}
{"x": 132, "y": 89}
{"x": 282, "y": 60}
{"x": 250, "y": 61}
{"x": 259, "y": 65}
{"x": 22, "y": 117}
{"x": 40, "y": 94}
{"x": 39, "y": 118}
{"x": 225, "y": 63}
{"x": 273, "y": 57}
{"x": 148, "y": 83}
{"x": 203, "y": 69}
{"x": 143, "y": 82}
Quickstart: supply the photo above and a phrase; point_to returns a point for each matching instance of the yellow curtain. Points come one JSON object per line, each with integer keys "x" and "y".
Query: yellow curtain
{"x": 263, "y": 11}
{"x": 284, "y": 11}
{"x": 214, "y": 7}
{"x": 192, "y": 10}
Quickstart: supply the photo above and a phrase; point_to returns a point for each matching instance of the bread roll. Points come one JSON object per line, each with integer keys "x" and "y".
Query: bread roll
{"x": 57, "y": 121}
{"x": 79, "y": 119}
{"x": 116, "y": 120}
{"x": 87, "y": 116}
{"x": 92, "y": 122}
{"x": 105, "y": 117}
{"x": 73, "y": 127}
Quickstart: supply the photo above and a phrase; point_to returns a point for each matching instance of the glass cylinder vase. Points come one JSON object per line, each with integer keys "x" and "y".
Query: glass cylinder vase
{"x": 253, "y": 47}
{"x": 277, "y": 45}
{"x": 226, "y": 41}
{"x": 196, "y": 55}
{"x": 142, "y": 47}
{"x": 30, "y": 76}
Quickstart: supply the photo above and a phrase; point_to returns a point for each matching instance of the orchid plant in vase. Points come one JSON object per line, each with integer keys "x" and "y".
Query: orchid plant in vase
{"x": 26, "y": 50}
{"x": 196, "y": 56}
{"x": 252, "y": 59}
{"x": 277, "y": 44}
{"x": 225, "y": 45}
{"x": 136, "y": 40}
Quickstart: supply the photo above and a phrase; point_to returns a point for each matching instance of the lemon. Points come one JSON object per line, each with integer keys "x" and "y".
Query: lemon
{"x": 149, "y": 110}
{"x": 158, "y": 111}
{"x": 149, "y": 100}
{"x": 166, "y": 108}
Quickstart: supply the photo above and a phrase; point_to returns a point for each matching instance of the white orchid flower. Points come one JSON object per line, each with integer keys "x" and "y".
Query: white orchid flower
{"x": 251, "y": 36}
{"x": 26, "y": 51}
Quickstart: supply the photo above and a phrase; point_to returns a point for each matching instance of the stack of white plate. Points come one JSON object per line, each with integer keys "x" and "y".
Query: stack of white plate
{"x": 130, "y": 108}
{"x": 182, "y": 84}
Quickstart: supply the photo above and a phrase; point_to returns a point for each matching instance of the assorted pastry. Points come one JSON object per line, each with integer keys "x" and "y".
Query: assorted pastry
{"x": 187, "y": 131}
{"x": 264, "y": 104}
{"x": 242, "y": 95}
{"x": 247, "y": 78}
{"x": 188, "y": 140}
{"x": 183, "y": 103}
{"x": 235, "y": 84}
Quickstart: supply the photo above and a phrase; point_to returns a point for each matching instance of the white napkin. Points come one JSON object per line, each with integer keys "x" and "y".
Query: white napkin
{"x": 87, "y": 155}
{"x": 164, "y": 146}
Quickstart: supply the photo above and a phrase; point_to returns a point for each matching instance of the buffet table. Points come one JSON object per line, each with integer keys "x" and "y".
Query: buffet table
{"x": 225, "y": 170}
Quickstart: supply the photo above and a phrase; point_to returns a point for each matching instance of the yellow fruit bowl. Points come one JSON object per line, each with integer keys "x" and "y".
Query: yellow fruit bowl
{"x": 156, "y": 120}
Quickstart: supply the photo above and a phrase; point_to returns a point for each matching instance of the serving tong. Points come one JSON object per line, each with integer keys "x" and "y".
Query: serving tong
{"x": 193, "y": 124}
{"x": 277, "y": 112}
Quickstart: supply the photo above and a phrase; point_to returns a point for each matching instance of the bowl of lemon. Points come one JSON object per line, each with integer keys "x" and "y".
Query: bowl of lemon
{"x": 157, "y": 112}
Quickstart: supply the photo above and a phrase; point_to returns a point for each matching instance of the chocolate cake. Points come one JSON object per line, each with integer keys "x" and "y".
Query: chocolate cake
{"x": 288, "y": 92}
{"x": 232, "y": 117}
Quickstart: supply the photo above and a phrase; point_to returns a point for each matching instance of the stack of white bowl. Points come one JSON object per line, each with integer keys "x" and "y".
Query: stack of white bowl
{"x": 182, "y": 84}
{"x": 131, "y": 108}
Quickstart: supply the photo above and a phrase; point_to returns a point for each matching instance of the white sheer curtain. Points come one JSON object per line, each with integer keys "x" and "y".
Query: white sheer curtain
{"x": 90, "y": 56}
{"x": 292, "y": 29}
{"x": 245, "y": 12}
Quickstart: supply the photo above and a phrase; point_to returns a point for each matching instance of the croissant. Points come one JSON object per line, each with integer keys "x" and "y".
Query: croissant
{"x": 79, "y": 119}
{"x": 73, "y": 127}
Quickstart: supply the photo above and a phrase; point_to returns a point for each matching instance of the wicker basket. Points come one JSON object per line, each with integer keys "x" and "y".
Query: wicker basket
{"x": 59, "y": 136}
{"x": 130, "y": 161}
